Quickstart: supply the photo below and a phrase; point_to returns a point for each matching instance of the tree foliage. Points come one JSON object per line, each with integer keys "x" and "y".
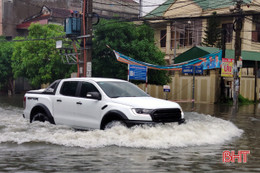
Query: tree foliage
{"x": 6, "y": 74}
{"x": 134, "y": 41}
{"x": 213, "y": 32}
{"x": 39, "y": 60}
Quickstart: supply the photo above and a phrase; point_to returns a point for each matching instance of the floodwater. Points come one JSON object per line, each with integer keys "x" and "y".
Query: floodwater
{"x": 196, "y": 146}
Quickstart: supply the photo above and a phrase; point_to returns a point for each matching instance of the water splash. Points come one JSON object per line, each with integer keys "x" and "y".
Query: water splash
{"x": 198, "y": 130}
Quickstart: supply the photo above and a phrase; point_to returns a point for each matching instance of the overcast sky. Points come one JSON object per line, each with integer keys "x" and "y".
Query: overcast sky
{"x": 147, "y": 5}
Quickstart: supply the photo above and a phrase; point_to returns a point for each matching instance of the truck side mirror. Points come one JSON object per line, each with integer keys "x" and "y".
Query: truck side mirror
{"x": 94, "y": 95}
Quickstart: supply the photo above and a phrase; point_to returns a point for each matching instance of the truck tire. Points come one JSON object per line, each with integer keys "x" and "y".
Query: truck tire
{"x": 114, "y": 123}
{"x": 42, "y": 117}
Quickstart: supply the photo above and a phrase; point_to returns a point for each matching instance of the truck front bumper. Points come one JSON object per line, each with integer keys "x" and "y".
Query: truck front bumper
{"x": 131, "y": 123}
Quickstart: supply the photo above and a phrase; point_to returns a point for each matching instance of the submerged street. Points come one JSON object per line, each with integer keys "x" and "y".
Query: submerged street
{"x": 195, "y": 146}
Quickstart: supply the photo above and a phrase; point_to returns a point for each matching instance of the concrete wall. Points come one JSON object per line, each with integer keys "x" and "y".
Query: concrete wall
{"x": 206, "y": 88}
{"x": 247, "y": 87}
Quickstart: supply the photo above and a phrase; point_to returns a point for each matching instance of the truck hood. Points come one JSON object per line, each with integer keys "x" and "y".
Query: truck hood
{"x": 146, "y": 102}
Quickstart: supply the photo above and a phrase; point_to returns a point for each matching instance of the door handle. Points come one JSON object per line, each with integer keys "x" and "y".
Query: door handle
{"x": 59, "y": 100}
{"x": 79, "y": 103}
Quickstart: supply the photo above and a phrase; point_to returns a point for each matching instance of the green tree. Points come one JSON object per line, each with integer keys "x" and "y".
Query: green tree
{"x": 134, "y": 41}
{"x": 6, "y": 75}
{"x": 213, "y": 32}
{"x": 39, "y": 60}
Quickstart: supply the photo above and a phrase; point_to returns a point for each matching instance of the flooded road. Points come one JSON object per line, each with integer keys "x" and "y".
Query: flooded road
{"x": 196, "y": 146}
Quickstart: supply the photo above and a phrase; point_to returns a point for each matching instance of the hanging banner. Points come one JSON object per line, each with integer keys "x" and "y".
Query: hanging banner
{"x": 128, "y": 60}
{"x": 211, "y": 61}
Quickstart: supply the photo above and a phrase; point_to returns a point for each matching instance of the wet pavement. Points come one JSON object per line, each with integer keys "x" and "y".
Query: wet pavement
{"x": 196, "y": 146}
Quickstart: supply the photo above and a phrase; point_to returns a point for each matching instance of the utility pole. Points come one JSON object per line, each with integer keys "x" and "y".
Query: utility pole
{"x": 223, "y": 47}
{"x": 237, "y": 29}
{"x": 86, "y": 43}
{"x": 140, "y": 8}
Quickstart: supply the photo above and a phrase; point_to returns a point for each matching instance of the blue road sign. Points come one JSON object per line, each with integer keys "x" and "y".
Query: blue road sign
{"x": 137, "y": 72}
{"x": 199, "y": 69}
{"x": 189, "y": 69}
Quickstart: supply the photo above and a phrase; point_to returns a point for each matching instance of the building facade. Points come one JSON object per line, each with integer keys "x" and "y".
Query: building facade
{"x": 180, "y": 25}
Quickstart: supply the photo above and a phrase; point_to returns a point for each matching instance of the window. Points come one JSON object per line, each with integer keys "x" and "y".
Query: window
{"x": 163, "y": 38}
{"x": 121, "y": 89}
{"x": 256, "y": 33}
{"x": 52, "y": 88}
{"x": 87, "y": 87}
{"x": 181, "y": 39}
{"x": 69, "y": 88}
{"x": 229, "y": 31}
{"x": 188, "y": 33}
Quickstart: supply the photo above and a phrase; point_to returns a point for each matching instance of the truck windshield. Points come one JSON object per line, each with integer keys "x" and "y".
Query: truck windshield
{"x": 121, "y": 89}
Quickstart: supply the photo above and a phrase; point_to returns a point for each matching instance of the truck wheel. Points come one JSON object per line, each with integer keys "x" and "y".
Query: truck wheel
{"x": 40, "y": 117}
{"x": 114, "y": 123}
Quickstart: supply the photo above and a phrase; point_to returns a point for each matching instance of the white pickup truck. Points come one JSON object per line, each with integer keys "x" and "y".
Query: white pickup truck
{"x": 98, "y": 103}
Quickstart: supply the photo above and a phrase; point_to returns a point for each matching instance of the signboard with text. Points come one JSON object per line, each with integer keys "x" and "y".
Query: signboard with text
{"x": 189, "y": 69}
{"x": 137, "y": 72}
{"x": 227, "y": 67}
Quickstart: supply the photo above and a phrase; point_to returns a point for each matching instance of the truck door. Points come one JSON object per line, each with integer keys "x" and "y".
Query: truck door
{"x": 88, "y": 110}
{"x": 64, "y": 104}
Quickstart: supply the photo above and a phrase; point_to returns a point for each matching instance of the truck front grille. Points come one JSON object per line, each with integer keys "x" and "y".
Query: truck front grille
{"x": 166, "y": 115}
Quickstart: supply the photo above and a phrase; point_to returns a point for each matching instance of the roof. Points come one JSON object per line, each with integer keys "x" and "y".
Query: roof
{"x": 200, "y": 51}
{"x": 44, "y": 15}
{"x": 60, "y": 12}
{"x": 215, "y": 4}
{"x": 159, "y": 11}
{"x": 203, "y": 4}
{"x": 130, "y": 1}
{"x": 193, "y": 53}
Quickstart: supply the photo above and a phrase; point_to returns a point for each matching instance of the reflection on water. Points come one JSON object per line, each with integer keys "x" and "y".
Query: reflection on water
{"x": 196, "y": 146}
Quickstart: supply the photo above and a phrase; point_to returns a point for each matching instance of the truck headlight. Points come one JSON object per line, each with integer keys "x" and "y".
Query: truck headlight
{"x": 142, "y": 111}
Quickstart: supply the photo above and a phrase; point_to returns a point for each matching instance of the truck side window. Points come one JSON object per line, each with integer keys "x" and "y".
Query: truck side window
{"x": 52, "y": 88}
{"x": 69, "y": 88}
{"x": 87, "y": 87}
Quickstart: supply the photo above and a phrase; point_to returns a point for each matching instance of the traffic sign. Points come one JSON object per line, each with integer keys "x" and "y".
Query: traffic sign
{"x": 166, "y": 88}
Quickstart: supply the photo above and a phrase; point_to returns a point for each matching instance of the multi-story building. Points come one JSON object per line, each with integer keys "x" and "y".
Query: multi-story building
{"x": 13, "y": 13}
{"x": 180, "y": 25}
{"x": 187, "y": 20}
